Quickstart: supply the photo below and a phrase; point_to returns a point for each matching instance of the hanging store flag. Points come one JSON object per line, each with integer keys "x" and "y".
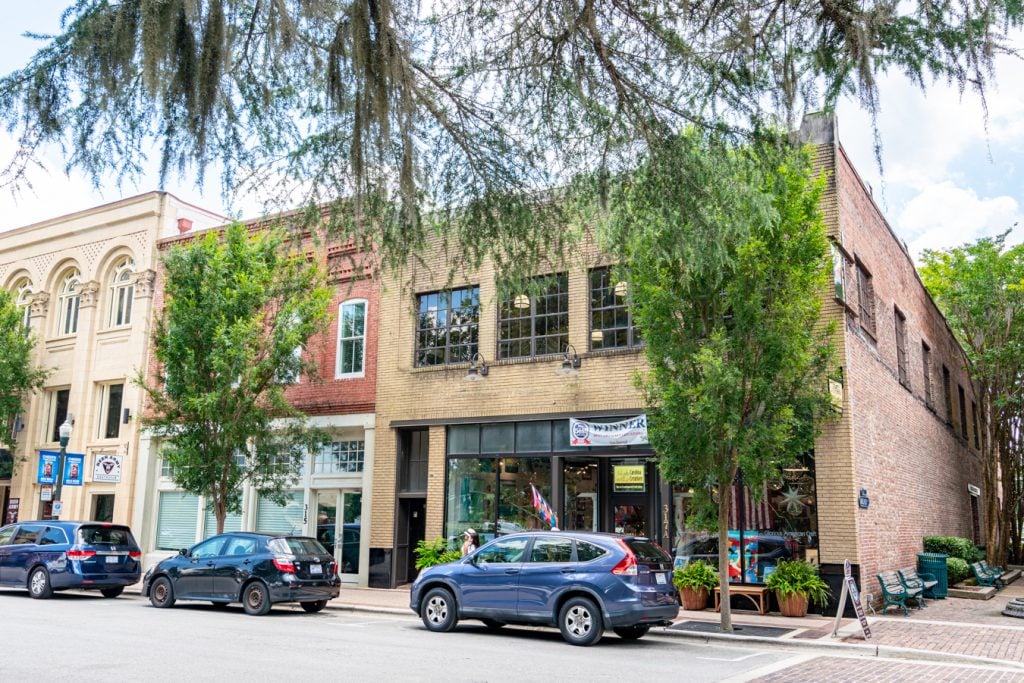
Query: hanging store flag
{"x": 543, "y": 509}
{"x": 629, "y": 432}
{"x": 47, "y": 467}
{"x": 107, "y": 468}
{"x": 74, "y": 469}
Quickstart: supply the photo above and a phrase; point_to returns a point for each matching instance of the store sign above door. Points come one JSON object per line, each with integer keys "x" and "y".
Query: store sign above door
{"x": 631, "y": 432}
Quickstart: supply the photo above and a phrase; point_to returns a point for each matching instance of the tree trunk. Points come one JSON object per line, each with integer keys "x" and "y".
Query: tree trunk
{"x": 990, "y": 475}
{"x": 725, "y": 483}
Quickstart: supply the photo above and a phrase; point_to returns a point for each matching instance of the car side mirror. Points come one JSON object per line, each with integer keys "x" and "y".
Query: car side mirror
{"x": 184, "y": 552}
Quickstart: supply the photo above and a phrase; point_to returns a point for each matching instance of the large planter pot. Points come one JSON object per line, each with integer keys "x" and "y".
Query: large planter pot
{"x": 694, "y": 598}
{"x": 793, "y": 605}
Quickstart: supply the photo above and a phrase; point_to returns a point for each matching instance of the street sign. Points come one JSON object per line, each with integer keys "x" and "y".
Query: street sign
{"x": 58, "y": 507}
{"x": 45, "y": 492}
{"x": 850, "y": 589}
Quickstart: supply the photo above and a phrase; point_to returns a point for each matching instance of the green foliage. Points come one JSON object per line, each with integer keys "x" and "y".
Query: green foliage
{"x": 430, "y": 553}
{"x": 18, "y": 375}
{"x": 953, "y": 546}
{"x": 957, "y": 569}
{"x": 237, "y": 306}
{"x": 695, "y": 575}
{"x": 799, "y": 577}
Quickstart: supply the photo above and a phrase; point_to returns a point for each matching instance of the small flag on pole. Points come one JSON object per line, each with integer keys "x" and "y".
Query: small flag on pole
{"x": 543, "y": 509}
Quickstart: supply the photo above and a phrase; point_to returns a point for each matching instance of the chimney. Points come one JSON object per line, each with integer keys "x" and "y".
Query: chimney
{"x": 184, "y": 225}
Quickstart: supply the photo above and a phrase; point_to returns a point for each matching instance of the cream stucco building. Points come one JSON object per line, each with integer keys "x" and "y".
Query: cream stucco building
{"x": 86, "y": 283}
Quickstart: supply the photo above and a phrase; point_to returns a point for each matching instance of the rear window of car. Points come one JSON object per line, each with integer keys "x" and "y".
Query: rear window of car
{"x": 585, "y": 552}
{"x": 647, "y": 551}
{"x": 106, "y": 535}
{"x": 296, "y": 545}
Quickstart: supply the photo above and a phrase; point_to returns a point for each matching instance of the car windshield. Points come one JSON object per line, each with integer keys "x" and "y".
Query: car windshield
{"x": 647, "y": 551}
{"x": 105, "y": 535}
{"x": 296, "y": 545}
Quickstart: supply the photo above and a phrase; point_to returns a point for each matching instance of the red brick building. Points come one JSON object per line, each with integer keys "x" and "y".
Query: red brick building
{"x": 333, "y": 495}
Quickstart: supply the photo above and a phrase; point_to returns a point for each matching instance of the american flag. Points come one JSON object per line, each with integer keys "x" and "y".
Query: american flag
{"x": 542, "y": 507}
{"x": 755, "y": 515}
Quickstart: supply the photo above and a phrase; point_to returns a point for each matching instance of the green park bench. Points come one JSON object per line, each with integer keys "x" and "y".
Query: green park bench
{"x": 985, "y": 575}
{"x": 926, "y": 582}
{"x": 895, "y": 593}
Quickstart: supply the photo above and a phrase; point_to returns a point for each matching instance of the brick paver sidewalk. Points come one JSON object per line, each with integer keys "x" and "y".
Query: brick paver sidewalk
{"x": 847, "y": 670}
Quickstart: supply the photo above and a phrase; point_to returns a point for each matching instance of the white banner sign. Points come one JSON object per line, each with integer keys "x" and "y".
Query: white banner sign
{"x": 631, "y": 432}
{"x": 107, "y": 468}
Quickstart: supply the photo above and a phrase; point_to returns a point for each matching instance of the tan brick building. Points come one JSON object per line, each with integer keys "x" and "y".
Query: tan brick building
{"x": 454, "y": 454}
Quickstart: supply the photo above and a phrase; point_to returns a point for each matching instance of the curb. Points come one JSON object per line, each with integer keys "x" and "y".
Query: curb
{"x": 849, "y": 649}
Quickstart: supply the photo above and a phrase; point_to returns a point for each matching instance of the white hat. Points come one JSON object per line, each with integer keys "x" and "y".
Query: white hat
{"x": 469, "y": 532}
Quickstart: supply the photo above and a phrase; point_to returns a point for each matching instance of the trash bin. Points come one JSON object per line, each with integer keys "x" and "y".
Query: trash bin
{"x": 935, "y": 564}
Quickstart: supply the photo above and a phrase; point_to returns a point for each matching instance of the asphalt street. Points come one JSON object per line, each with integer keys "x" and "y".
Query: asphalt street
{"x": 85, "y": 637}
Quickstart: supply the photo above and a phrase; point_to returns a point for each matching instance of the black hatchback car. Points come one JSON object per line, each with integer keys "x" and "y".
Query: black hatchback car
{"x": 48, "y": 556}
{"x": 255, "y": 569}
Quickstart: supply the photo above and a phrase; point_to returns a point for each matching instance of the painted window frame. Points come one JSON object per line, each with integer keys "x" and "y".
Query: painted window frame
{"x": 902, "y": 359}
{"x": 121, "y": 293}
{"x": 69, "y": 302}
{"x": 342, "y": 340}
{"x": 926, "y": 363}
{"x": 22, "y": 299}
{"x": 463, "y": 320}
{"x": 104, "y": 416}
{"x": 535, "y": 316}
{"x": 599, "y": 295}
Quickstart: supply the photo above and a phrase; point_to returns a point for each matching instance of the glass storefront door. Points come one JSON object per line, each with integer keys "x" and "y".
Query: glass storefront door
{"x": 632, "y": 486}
{"x": 580, "y": 481}
{"x": 339, "y": 526}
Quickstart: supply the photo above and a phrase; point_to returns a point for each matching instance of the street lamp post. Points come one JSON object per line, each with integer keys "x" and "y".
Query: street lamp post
{"x": 65, "y": 433}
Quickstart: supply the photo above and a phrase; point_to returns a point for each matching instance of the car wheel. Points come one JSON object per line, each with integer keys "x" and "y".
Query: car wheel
{"x": 256, "y": 599}
{"x": 39, "y": 584}
{"x": 492, "y": 624}
{"x": 632, "y": 632}
{"x": 438, "y": 610}
{"x": 161, "y": 593}
{"x": 112, "y": 592}
{"x": 314, "y": 606}
{"x": 580, "y": 622}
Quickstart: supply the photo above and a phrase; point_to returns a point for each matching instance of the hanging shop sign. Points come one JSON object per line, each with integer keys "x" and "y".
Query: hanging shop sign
{"x": 47, "y": 467}
{"x": 107, "y": 468}
{"x": 629, "y": 432}
{"x": 74, "y": 469}
{"x": 626, "y": 478}
{"x": 12, "y": 510}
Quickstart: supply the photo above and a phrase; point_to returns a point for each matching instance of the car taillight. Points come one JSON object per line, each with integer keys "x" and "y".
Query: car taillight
{"x": 80, "y": 554}
{"x": 135, "y": 554}
{"x": 284, "y": 564}
{"x": 627, "y": 565}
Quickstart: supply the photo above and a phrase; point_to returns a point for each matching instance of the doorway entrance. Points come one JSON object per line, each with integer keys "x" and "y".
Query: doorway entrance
{"x": 412, "y": 528}
{"x": 339, "y": 526}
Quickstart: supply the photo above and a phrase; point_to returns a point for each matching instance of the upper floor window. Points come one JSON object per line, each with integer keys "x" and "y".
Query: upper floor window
{"x": 110, "y": 401}
{"x": 122, "y": 292}
{"x": 611, "y": 321}
{"x": 963, "y": 411}
{"x": 974, "y": 423}
{"x": 341, "y": 457}
{"x": 535, "y": 325}
{"x": 866, "y": 299}
{"x": 68, "y": 299}
{"x": 901, "y": 347}
{"x": 926, "y": 362}
{"x": 447, "y": 326}
{"x": 947, "y": 394}
{"x": 22, "y": 299}
{"x": 351, "y": 339}
{"x": 58, "y": 402}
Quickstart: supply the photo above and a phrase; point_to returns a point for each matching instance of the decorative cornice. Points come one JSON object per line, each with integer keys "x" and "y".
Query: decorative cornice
{"x": 40, "y": 303}
{"x": 144, "y": 282}
{"x": 88, "y": 293}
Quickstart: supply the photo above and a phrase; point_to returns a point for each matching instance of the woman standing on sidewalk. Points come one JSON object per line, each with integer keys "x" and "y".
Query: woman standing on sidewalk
{"x": 470, "y": 541}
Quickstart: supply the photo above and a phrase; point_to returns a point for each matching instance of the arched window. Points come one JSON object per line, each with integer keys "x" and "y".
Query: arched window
{"x": 351, "y": 339}
{"x": 67, "y": 303}
{"x": 122, "y": 291}
{"x": 22, "y": 294}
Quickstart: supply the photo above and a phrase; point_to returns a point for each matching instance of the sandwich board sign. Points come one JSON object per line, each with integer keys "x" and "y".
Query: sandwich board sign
{"x": 850, "y": 590}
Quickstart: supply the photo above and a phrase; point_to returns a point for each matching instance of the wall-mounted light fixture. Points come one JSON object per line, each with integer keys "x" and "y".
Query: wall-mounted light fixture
{"x": 571, "y": 362}
{"x": 477, "y": 369}
{"x": 521, "y": 301}
{"x": 126, "y": 415}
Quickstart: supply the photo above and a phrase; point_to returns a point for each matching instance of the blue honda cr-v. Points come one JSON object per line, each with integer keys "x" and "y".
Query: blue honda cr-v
{"x": 52, "y": 556}
{"x": 581, "y": 582}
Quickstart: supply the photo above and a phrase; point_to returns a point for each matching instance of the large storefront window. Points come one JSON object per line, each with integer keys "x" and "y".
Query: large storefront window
{"x": 782, "y": 525}
{"x": 494, "y": 496}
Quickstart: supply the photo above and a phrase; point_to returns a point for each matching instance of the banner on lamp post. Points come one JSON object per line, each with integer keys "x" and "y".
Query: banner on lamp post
{"x": 629, "y": 432}
{"x": 74, "y": 466}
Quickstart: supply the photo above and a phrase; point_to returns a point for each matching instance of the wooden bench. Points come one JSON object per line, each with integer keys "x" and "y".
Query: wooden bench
{"x": 756, "y": 594}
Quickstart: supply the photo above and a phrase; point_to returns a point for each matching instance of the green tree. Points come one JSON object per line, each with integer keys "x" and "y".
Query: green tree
{"x": 18, "y": 374}
{"x": 238, "y": 309}
{"x": 465, "y": 108}
{"x": 980, "y": 289}
{"x": 728, "y": 260}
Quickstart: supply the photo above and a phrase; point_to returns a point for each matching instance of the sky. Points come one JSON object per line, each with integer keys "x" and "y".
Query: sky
{"x": 948, "y": 175}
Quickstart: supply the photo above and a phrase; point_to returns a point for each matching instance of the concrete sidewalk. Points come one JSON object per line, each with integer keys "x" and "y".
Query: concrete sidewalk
{"x": 954, "y": 630}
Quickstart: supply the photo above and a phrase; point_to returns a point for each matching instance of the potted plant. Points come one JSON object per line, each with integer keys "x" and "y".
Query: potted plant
{"x": 694, "y": 581}
{"x": 796, "y": 583}
{"x": 430, "y": 553}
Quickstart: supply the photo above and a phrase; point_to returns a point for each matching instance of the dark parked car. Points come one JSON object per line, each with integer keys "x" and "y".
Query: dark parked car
{"x": 48, "y": 556}
{"x": 580, "y": 582}
{"x": 349, "y": 544}
{"x": 255, "y": 569}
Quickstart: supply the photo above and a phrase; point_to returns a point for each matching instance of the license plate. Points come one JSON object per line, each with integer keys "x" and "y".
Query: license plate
{"x": 659, "y": 577}
{"x": 111, "y": 559}
{"x": 316, "y": 569}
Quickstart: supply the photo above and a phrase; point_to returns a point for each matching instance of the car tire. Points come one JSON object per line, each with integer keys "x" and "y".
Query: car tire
{"x": 580, "y": 622}
{"x": 438, "y": 610}
{"x": 39, "y": 584}
{"x": 492, "y": 624}
{"x": 112, "y": 592}
{"x": 256, "y": 599}
{"x": 161, "y": 593}
{"x": 632, "y": 632}
{"x": 315, "y": 606}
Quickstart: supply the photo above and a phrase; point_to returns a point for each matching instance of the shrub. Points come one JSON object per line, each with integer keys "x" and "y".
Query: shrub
{"x": 429, "y": 553}
{"x": 798, "y": 576}
{"x": 695, "y": 575}
{"x": 957, "y": 569}
{"x": 953, "y": 546}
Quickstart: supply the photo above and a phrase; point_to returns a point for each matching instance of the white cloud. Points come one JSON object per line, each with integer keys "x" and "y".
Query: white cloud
{"x": 944, "y": 215}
